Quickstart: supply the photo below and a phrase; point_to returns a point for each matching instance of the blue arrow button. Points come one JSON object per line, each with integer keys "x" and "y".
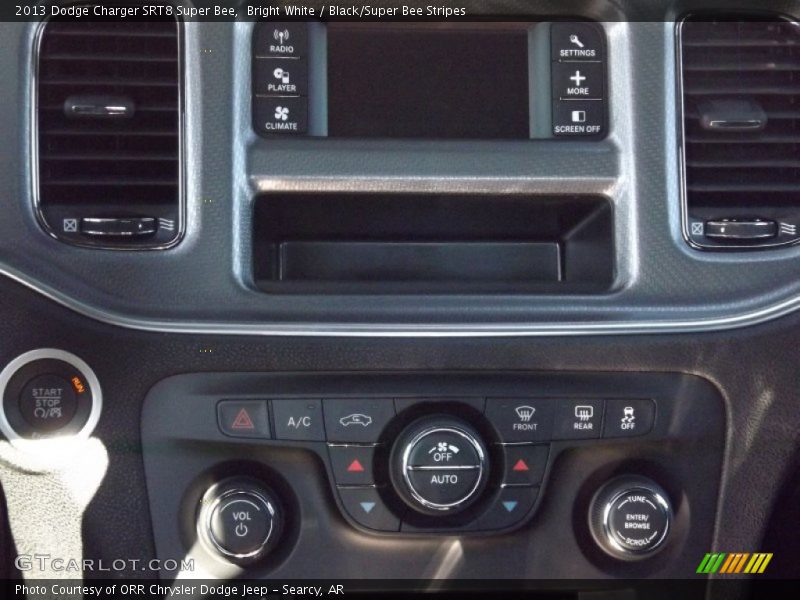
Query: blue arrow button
{"x": 368, "y": 506}
{"x": 510, "y": 505}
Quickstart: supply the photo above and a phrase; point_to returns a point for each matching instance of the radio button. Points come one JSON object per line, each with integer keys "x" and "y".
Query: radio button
{"x": 280, "y": 39}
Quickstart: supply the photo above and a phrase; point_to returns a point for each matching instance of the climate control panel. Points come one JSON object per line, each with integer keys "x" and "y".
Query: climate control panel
{"x": 619, "y": 468}
{"x": 436, "y": 464}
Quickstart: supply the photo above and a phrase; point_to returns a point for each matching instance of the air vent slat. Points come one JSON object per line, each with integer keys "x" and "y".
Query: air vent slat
{"x": 741, "y": 111}
{"x": 744, "y": 163}
{"x": 100, "y": 157}
{"x": 87, "y": 81}
{"x": 130, "y": 32}
{"x": 109, "y": 132}
{"x": 95, "y": 163}
{"x": 109, "y": 182}
{"x": 117, "y": 58}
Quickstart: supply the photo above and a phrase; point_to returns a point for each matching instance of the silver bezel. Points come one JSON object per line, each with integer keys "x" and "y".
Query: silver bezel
{"x": 684, "y": 200}
{"x": 43, "y": 354}
{"x": 407, "y": 468}
{"x": 180, "y": 230}
{"x": 204, "y": 524}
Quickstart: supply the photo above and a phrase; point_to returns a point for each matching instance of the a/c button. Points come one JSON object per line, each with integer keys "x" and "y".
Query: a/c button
{"x": 299, "y": 420}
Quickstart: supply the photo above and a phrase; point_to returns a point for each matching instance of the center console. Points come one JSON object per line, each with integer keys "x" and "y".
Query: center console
{"x": 430, "y": 80}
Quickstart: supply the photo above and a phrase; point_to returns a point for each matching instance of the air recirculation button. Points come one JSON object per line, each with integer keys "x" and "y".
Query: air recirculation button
{"x": 439, "y": 466}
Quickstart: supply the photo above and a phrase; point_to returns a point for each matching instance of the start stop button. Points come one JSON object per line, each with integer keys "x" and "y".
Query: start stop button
{"x": 48, "y": 402}
{"x": 48, "y": 393}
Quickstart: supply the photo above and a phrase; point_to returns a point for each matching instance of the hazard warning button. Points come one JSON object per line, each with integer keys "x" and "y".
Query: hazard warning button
{"x": 244, "y": 418}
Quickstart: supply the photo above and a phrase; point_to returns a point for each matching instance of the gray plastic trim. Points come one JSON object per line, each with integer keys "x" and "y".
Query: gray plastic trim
{"x": 723, "y": 323}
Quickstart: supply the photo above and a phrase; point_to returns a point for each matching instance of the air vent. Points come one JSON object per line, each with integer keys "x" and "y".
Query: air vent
{"x": 741, "y": 125}
{"x": 109, "y": 135}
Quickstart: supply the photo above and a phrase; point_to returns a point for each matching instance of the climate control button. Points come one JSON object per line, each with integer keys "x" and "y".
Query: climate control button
{"x": 444, "y": 488}
{"x": 443, "y": 448}
{"x": 439, "y": 465}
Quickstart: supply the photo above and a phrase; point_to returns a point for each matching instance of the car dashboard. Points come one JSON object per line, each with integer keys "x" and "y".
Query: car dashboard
{"x": 486, "y": 296}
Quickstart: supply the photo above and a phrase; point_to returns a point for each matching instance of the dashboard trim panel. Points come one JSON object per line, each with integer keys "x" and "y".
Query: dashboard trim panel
{"x": 746, "y": 319}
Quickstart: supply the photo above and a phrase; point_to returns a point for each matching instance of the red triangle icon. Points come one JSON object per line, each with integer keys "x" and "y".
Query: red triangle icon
{"x": 521, "y": 466}
{"x": 243, "y": 421}
{"x": 355, "y": 467}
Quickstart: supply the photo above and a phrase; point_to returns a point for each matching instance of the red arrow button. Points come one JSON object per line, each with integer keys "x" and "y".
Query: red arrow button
{"x": 356, "y": 467}
{"x": 521, "y": 466}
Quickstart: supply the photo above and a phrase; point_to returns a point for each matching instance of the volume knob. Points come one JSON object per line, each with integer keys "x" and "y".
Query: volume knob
{"x": 240, "y": 520}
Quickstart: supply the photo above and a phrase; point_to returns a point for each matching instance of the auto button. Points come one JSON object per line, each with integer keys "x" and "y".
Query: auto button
{"x": 439, "y": 465}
